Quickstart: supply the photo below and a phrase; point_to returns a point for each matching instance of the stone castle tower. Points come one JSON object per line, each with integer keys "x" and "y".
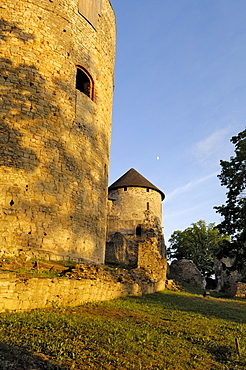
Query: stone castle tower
{"x": 134, "y": 235}
{"x": 57, "y": 67}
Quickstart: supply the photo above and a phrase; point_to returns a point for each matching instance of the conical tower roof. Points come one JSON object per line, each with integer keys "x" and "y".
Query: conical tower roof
{"x": 132, "y": 178}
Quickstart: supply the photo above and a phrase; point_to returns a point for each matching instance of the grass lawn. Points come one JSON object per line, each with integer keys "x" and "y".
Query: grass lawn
{"x": 167, "y": 330}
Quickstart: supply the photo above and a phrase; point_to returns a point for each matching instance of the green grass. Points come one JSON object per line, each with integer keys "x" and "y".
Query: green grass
{"x": 167, "y": 330}
{"x": 48, "y": 268}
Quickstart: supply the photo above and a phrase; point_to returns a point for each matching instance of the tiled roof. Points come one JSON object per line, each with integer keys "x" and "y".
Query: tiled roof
{"x": 132, "y": 178}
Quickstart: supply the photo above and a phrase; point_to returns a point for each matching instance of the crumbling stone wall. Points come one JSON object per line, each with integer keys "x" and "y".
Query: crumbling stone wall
{"x": 132, "y": 249}
{"x": 226, "y": 276}
{"x": 54, "y": 139}
{"x": 86, "y": 283}
{"x": 186, "y": 270}
{"x": 237, "y": 290}
{"x": 151, "y": 259}
{"x": 134, "y": 227}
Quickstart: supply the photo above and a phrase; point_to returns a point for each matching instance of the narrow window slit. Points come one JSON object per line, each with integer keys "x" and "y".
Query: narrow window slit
{"x": 139, "y": 230}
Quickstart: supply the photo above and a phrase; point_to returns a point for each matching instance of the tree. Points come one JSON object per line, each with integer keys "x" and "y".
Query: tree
{"x": 233, "y": 176}
{"x": 199, "y": 243}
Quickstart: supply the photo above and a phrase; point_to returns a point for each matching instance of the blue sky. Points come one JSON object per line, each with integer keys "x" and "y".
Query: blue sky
{"x": 180, "y": 95}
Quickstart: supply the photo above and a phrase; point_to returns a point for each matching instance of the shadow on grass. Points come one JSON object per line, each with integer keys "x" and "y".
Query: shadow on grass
{"x": 220, "y": 352}
{"x": 229, "y": 310}
{"x": 19, "y": 358}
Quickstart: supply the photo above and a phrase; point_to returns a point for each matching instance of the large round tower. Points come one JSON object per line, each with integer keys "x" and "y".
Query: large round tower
{"x": 135, "y": 215}
{"x": 57, "y": 66}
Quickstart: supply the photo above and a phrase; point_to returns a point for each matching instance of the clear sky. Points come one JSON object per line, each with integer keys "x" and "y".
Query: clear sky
{"x": 180, "y": 95}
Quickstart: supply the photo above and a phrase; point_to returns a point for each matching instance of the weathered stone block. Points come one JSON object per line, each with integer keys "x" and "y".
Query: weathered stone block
{"x": 186, "y": 270}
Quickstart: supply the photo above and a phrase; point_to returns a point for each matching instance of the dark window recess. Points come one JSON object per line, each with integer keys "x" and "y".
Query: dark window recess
{"x": 147, "y": 206}
{"x": 139, "y": 230}
{"x": 84, "y": 83}
{"x": 125, "y": 188}
{"x": 147, "y": 190}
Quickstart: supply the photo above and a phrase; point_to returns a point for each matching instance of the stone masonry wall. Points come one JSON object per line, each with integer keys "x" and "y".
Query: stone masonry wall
{"x": 147, "y": 250}
{"x": 237, "y": 290}
{"x": 54, "y": 140}
{"x": 134, "y": 217}
{"x": 129, "y": 208}
{"x": 86, "y": 284}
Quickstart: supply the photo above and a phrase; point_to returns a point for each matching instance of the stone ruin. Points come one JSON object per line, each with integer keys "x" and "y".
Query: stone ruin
{"x": 134, "y": 234}
{"x": 185, "y": 270}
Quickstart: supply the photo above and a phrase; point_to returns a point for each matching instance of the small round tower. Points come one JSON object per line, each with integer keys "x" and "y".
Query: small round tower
{"x": 135, "y": 213}
{"x": 57, "y": 69}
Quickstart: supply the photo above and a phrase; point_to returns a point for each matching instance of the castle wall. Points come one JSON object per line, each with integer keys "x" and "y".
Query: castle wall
{"x": 134, "y": 233}
{"x": 54, "y": 139}
{"x": 131, "y": 208}
{"x": 23, "y": 293}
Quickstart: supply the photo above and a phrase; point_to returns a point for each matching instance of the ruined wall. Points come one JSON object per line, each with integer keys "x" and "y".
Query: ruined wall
{"x": 54, "y": 139}
{"x": 237, "y": 290}
{"x": 130, "y": 210}
{"x": 186, "y": 270}
{"x": 226, "y": 277}
{"x": 87, "y": 284}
